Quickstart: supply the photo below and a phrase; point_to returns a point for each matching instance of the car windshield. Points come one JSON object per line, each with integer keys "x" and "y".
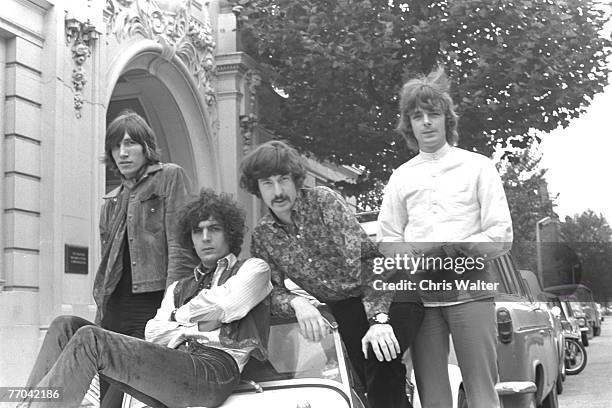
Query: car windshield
{"x": 576, "y": 308}
{"x": 291, "y": 356}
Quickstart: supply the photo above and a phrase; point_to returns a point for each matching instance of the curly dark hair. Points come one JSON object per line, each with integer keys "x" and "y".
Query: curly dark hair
{"x": 134, "y": 125}
{"x": 223, "y": 208}
{"x": 269, "y": 159}
{"x": 427, "y": 92}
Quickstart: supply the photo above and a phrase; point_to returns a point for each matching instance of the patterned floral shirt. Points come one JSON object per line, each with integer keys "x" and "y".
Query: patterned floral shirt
{"x": 325, "y": 252}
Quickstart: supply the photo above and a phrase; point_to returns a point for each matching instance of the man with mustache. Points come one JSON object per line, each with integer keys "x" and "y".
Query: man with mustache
{"x": 310, "y": 236}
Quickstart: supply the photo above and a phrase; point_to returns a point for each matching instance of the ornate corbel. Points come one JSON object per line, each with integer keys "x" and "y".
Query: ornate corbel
{"x": 247, "y": 127}
{"x": 248, "y": 122}
{"x": 80, "y": 36}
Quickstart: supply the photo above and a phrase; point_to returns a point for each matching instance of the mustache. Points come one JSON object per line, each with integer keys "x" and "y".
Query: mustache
{"x": 280, "y": 198}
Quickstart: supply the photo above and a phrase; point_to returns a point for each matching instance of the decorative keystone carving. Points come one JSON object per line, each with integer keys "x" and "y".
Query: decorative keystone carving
{"x": 170, "y": 23}
{"x": 81, "y": 36}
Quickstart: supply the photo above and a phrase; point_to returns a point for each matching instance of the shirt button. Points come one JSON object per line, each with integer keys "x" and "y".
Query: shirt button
{"x": 133, "y": 262}
{"x": 152, "y": 209}
{"x": 298, "y": 236}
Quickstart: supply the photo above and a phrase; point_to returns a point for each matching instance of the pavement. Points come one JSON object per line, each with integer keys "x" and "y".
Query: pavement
{"x": 592, "y": 388}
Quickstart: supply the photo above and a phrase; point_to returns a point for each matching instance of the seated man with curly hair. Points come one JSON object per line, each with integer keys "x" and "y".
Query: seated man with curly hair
{"x": 207, "y": 327}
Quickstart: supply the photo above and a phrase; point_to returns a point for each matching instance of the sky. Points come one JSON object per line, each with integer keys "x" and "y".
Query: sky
{"x": 579, "y": 160}
{"x": 579, "y": 157}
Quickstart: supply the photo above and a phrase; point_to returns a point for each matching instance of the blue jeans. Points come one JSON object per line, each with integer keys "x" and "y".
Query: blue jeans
{"x": 473, "y": 330}
{"x": 74, "y": 350}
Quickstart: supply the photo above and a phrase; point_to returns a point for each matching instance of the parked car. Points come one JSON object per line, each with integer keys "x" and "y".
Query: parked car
{"x": 586, "y": 329}
{"x": 533, "y": 286}
{"x": 575, "y": 357}
{"x": 369, "y": 223}
{"x": 578, "y": 293}
{"x": 527, "y": 353}
{"x": 529, "y": 356}
{"x": 298, "y": 373}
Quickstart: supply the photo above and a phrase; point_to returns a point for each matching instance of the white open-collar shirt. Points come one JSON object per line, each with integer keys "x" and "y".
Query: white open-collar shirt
{"x": 451, "y": 195}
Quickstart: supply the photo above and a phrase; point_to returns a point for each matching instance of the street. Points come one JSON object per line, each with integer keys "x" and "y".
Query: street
{"x": 593, "y": 387}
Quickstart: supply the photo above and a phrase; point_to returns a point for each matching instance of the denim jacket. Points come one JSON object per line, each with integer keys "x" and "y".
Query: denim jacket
{"x": 157, "y": 258}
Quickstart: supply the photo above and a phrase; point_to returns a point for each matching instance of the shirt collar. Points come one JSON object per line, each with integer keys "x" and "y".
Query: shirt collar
{"x": 441, "y": 152}
{"x": 226, "y": 262}
{"x": 151, "y": 168}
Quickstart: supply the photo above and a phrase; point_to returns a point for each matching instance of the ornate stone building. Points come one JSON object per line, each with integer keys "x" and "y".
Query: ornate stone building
{"x": 68, "y": 67}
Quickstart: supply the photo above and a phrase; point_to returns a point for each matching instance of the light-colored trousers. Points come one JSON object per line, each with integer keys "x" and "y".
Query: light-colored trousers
{"x": 472, "y": 327}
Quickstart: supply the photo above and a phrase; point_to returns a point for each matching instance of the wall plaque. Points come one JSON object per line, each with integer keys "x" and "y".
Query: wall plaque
{"x": 76, "y": 259}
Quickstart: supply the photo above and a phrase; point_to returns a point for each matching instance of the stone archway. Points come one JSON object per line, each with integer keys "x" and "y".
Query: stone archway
{"x": 174, "y": 107}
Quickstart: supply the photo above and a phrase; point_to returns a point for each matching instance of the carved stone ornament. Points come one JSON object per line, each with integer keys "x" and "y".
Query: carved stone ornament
{"x": 247, "y": 127}
{"x": 80, "y": 36}
{"x": 170, "y": 23}
{"x": 249, "y": 122}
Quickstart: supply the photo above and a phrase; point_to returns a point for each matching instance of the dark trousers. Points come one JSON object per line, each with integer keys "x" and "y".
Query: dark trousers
{"x": 74, "y": 350}
{"x": 126, "y": 313}
{"x": 385, "y": 382}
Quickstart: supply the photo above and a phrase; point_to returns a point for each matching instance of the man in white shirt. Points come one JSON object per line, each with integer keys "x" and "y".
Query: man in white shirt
{"x": 447, "y": 203}
{"x": 205, "y": 330}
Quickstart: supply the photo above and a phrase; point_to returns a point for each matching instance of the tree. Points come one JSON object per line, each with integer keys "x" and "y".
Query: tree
{"x": 528, "y": 199}
{"x": 590, "y": 235}
{"x": 516, "y": 65}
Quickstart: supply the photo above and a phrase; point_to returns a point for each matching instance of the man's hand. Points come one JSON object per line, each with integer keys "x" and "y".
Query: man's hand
{"x": 178, "y": 338}
{"x": 383, "y": 341}
{"x": 312, "y": 325}
{"x": 185, "y": 333}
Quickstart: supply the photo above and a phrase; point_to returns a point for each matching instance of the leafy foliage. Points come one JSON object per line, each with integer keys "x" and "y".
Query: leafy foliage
{"x": 590, "y": 236}
{"x": 587, "y": 227}
{"x": 528, "y": 199}
{"x": 516, "y": 65}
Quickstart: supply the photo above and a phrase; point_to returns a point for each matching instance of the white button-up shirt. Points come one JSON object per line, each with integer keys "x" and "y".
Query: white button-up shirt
{"x": 219, "y": 304}
{"x": 451, "y": 195}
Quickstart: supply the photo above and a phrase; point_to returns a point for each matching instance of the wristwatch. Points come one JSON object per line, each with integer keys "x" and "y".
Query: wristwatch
{"x": 379, "y": 318}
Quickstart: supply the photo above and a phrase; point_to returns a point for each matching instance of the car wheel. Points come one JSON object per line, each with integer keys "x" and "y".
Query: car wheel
{"x": 462, "y": 399}
{"x": 551, "y": 400}
{"x": 585, "y": 339}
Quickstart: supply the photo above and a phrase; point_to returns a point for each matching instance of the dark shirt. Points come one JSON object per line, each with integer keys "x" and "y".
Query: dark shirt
{"x": 128, "y": 312}
{"x": 325, "y": 252}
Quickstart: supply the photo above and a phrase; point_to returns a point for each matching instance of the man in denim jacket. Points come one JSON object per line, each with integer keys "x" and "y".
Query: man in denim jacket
{"x": 140, "y": 252}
